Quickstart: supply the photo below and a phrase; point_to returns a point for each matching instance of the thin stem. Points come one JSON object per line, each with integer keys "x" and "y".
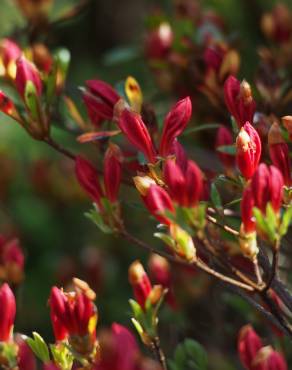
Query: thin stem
{"x": 197, "y": 263}
{"x": 222, "y": 277}
{"x": 224, "y": 227}
{"x": 227, "y": 264}
{"x": 59, "y": 148}
{"x": 156, "y": 348}
{"x": 257, "y": 272}
{"x": 276, "y": 313}
{"x": 269, "y": 315}
{"x": 274, "y": 268}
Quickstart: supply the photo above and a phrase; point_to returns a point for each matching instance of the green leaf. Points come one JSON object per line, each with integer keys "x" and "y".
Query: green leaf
{"x": 207, "y": 126}
{"x": 9, "y": 351}
{"x": 51, "y": 85}
{"x": 39, "y": 347}
{"x": 167, "y": 239}
{"x": 95, "y": 216}
{"x": 62, "y": 356}
{"x": 189, "y": 355}
{"x": 120, "y": 55}
{"x": 260, "y": 220}
{"x": 196, "y": 351}
{"x": 32, "y": 100}
{"x": 227, "y": 149}
{"x": 136, "y": 308}
{"x": 286, "y": 220}
{"x": 63, "y": 57}
{"x": 215, "y": 197}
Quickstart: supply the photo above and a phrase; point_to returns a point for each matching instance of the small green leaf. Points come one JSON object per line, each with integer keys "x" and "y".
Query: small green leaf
{"x": 62, "y": 356}
{"x": 215, "y": 197}
{"x": 167, "y": 239}
{"x": 63, "y": 57}
{"x": 31, "y": 100}
{"x": 286, "y": 220}
{"x": 189, "y": 355}
{"x": 51, "y": 85}
{"x": 136, "y": 308}
{"x": 227, "y": 149}
{"x": 197, "y": 353}
{"x": 39, "y": 347}
{"x": 9, "y": 351}
{"x": 207, "y": 126}
{"x": 95, "y": 216}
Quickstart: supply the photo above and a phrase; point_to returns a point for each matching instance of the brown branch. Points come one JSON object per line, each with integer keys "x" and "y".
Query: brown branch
{"x": 273, "y": 271}
{"x": 201, "y": 265}
{"x": 224, "y": 227}
{"x": 222, "y": 277}
{"x": 287, "y": 328}
{"x": 59, "y": 148}
{"x": 157, "y": 350}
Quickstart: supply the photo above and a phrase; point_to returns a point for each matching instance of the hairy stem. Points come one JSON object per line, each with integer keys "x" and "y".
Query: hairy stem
{"x": 157, "y": 350}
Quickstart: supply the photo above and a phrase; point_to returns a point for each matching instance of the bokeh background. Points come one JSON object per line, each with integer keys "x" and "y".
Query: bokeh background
{"x": 42, "y": 204}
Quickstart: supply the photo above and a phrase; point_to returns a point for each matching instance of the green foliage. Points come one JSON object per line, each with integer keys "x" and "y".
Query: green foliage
{"x": 189, "y": 355}
{"x": 39, "y": 347}
{"x": 9, "y": 351}
{"x": 62, "y": 356}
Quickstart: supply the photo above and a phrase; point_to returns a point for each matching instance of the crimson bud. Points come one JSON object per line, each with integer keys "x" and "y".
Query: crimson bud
{"x": 248, "y": 150}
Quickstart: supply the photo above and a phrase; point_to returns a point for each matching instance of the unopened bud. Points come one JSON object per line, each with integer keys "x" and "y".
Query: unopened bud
{"x": 248, "y": 244}
{"x": 140, "y": 282}
{"x": 156, "y": 294}
{"x": 184, "y": 245}
{"x": 143, "y": 184}
{"x": 287, "y": 122}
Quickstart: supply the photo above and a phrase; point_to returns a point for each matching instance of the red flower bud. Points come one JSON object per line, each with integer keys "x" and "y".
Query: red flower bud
{"x": 159, "y": 270}
{"x": 185, "y": 189}
{"x": 9, "y": 52}
{"x": 248, "y": 345}
{"x": 180, "y": 155}
{"x": 140, "y": 282}
{"x": 100, "y": 99}
{"x": 60, "y": 331}
{"x": 267, "y": 186}
{"x": 158, "y": 201}
{"x": 174, "y": 124}
{"x": 7, "y": 312}
{"x": 136, "y": 132}
{"x": 112, "y": 172}
{"x": 279, "y": 152}
{"x": 88, "y": 179}
{"x": 194, "y": 183}
{"x": 224, "y": 137}
{"x": 277, "y": 24}
{"x": 26, "y": 71}
{"x": 13, "y": 254}
{"x": 119, "y": 349}
{"x": 269, "y": 359}
{"x": 213, "y": 57}
{"x": 12, "y": 261}
{"x": 247, "y": 205}
{"x": 248, "y": 150}
{"x": 159, "y": 41}
{"x": 74, "y": 310}
{"x": 7, "y": 106}
{"x": 26, "y": 359}
{"x": 176, "y": 182}
{"x": 287, "y": 122}
{"x": 239, "y": 100}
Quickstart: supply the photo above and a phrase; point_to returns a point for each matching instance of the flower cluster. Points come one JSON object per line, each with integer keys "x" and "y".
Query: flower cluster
{"x": 254, "y": 355}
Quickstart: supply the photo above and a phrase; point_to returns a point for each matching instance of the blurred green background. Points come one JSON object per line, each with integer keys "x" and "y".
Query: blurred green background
{"x": 106, "y": 42}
